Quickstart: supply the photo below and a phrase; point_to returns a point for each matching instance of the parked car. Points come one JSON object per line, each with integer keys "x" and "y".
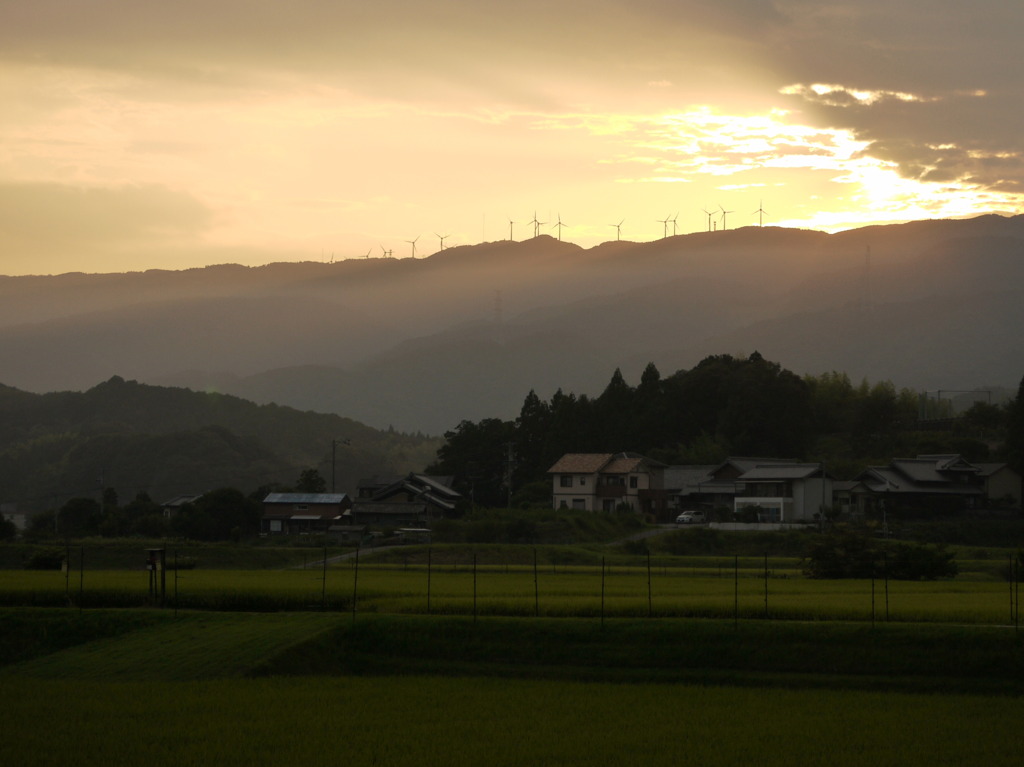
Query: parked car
{"x": 691, "y": 518}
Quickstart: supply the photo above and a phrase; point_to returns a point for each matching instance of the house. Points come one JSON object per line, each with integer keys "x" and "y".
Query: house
{"x": 779, "y": 490}
{"x": 936, "y": 484}
{"x": 607, "y": 481}
{"x": 20, "y": 519}
{"x": 412, "y": 501}
{"x": 172, "y": 507}
{"x": 699, "y": 488}
{"x": 302, "y": 513}
{"x": 1003, "y": 486}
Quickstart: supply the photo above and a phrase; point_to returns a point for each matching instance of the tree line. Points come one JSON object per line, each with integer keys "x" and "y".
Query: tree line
{"x": 724, "y": 406}
{"x": 224, "y": 514}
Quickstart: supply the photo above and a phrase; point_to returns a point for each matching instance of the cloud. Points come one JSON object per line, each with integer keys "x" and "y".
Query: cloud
{"x": 42, "y": 224}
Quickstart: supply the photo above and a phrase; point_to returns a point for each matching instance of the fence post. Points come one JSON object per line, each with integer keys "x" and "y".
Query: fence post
{"x": 602, "y": 593}
{"x": 536, "y": 588}
{"x": 355, "y": 584}
{"x": 81, "y": 578}
{"x": 429, "y": 556}
{"x": 885, "y": 572}
{"x": 650, "y": 604}
{"x": 736, "y": 592}
{"x": 766, "y": 584}
{"x": 323, "y": 585}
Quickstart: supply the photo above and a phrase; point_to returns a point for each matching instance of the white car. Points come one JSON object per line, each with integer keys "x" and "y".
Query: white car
{"x": 691, "y": 518}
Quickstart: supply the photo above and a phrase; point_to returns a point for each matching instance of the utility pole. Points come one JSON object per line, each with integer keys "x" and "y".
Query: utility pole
{"x": 334, "y": 457}
{"x": 509, "y": 465}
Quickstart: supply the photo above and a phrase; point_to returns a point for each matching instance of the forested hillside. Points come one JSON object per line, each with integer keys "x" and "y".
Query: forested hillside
{"x": 161, "y": 441}
{"x": 422, "y": 344}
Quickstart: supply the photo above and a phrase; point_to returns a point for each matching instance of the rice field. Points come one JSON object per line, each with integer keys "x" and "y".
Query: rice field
{"x": 422, "y": 721}
{"x": 318, "y": 688}
{"x": 748, "y": 592}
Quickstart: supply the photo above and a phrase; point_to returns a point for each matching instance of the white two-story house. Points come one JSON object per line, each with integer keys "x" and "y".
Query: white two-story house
{"x": 605, "y": 481}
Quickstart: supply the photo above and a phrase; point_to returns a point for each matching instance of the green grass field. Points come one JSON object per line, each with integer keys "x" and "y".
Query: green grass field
{"x": 311, "y": 689}
{"x": 267, "y": 663}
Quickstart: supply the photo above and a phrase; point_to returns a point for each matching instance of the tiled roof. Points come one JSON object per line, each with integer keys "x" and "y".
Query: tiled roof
{"x": 307, "y": 498}
{"x": 623, "y": 464}
{"x": 780, "y": 472}
{"x": 580, "y": 463}
{"x": 988, "y": 469}
{"x": 883, "y": 479}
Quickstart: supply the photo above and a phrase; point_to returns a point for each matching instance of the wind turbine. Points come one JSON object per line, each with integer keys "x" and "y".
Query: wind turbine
{"x": 559, "y": 226}
{"x": 664, "y": 226}
{"x": 760, "y": 213}
{"x": 369, "y": 252}
{"x": 709, "y": 214}
{"x": 442, "y": 238}
{"x": 724, "y": 213}
{"x": 618, "y": 230}
{"x": 536, "y": 224}
{"x": 673, "y": 219}
{"x": 510, "y": 225}
{"x": 413, "y": 243}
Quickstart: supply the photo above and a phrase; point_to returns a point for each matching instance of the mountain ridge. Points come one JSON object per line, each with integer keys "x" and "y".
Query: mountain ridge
{"x": 466, "y": 332}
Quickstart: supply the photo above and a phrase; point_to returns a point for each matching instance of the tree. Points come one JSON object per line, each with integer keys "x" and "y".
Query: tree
{"x": 1015, "y": 431}
{"x": 310, "y": 481}
{"x": 767, "y": 410}
{"x": 476, "y": 454}
{"x": 78, "y": 517}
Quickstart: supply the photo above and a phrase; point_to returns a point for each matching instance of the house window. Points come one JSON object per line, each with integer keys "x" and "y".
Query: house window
{"x": 579, "y": 504}
{"x": 608, "y": 504}
{"x": 632, "y": 481}
{"x": 583, "y": 481}
{"x": 275, "y": 525}
{"x": 565, "y": 480}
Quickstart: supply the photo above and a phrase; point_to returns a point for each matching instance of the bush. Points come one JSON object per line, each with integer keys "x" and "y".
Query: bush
{"x": 910, "y": 562}
{"x": 45, "y": 559}
{"x": 847, "y": 553}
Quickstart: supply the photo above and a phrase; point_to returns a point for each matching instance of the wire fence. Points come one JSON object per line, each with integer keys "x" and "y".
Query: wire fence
{"x": 531, "y": 583}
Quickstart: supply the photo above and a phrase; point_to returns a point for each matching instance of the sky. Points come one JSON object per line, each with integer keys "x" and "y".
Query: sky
{"x": 139, "y": 135}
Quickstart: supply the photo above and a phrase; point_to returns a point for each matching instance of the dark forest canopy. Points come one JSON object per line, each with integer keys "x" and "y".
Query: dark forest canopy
{"x": 724, "y": 406}
{"x": 164, "y": 442}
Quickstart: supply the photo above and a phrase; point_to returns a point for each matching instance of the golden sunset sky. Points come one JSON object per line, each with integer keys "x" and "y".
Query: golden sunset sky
{"x": 138, "y": 135}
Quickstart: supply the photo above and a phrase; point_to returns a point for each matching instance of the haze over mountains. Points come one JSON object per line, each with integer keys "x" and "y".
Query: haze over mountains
{"x": 466, "y": 332}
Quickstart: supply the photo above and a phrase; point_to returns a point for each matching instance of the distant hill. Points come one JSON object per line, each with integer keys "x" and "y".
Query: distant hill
{"x": 467, "y": 332}
{"x": 166, "y": 441}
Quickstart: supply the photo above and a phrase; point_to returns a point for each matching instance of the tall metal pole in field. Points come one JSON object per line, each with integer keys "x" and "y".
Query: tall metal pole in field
{"x": 355, "y": 585}
{"x": 474, "y": 587}
{"x": 872, "y": 597}
{"x": 766, "y": 584}
{"x": 1009, "y": 582}
{"x": 81, "y": 577}
{"x": 536, "y": 588}
{"x": 323, "y": 585}
{"x": 885, "y": 571}
{"x": 650, "y": 604}
{"x": 67, "y": 569}
{"x": 736, "y": 592}
{"x": 429, "y": 557}
{"x": 175, "y": 583}
{"x": 602, "y": 592}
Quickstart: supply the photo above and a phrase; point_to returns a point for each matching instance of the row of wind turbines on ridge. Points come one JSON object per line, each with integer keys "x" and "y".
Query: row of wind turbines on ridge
{"x": 721, "y": 214}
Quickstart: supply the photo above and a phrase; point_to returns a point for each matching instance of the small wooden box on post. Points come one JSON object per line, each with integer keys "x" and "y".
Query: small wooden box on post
{"x": 156, "y": 564}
